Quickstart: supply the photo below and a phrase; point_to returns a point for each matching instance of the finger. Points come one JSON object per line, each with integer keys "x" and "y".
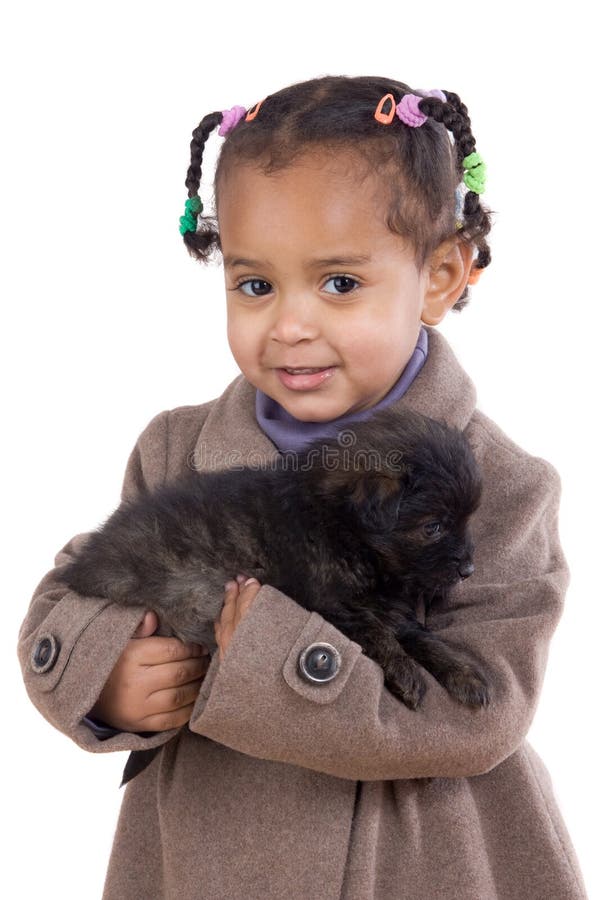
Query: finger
{"x": 248, "y": 594}
{"x": 163, "y": 721}
{"x": 154, "y": 651}
{"x": 244, "y": 600}
{"x": 250, "y": 587}
{"x": 147, "y": 626}
{"x": 174, "y": 674}
{"x": 227, "y": 615}
{"x": 174, "y": 698}
{"x": 244, "y": 593}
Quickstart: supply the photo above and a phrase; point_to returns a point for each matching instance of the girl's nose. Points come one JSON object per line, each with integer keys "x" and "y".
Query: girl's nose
{"x": 295, "y": 319}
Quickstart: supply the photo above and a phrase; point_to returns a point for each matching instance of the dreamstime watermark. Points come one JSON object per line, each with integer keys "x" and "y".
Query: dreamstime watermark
{"x": 343, "y": 457}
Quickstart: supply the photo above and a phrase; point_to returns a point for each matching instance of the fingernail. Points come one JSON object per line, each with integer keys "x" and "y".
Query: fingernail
{"x": 240, "y": 578}
{"x": 230, "y": 584}
{"x": 251, "y": 581}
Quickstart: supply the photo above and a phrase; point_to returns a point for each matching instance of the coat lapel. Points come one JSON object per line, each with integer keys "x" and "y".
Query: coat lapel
{"x": 231, "y": 436}
{"x": 442, "y": 389}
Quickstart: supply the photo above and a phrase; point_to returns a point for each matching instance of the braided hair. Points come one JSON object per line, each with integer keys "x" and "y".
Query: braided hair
{"x": 420, "y": 168}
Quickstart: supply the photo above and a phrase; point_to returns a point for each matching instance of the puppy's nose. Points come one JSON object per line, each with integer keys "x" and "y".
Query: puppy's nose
{"x": 466, "y": 569}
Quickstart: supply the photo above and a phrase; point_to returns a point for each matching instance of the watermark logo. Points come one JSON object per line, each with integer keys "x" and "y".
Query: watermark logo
{"x": 335, "y": 454}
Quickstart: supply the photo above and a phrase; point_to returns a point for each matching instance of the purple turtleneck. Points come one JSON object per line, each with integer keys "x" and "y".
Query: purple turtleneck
{"x": 290, "y": 434}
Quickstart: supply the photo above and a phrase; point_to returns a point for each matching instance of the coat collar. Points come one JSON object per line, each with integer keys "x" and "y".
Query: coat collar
{"x": 231, "y": 436}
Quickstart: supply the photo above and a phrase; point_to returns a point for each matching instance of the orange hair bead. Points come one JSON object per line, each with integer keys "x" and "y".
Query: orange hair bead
{"x": 385, "y": 118}
{"x": 251, "y": 114}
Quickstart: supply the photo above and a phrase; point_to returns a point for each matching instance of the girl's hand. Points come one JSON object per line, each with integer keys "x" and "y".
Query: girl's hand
{"x": 155, "y": 682}
{"x": 239, "y": 597}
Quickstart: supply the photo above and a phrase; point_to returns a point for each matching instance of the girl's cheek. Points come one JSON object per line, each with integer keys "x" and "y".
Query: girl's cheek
{"x": 238, "y": 350}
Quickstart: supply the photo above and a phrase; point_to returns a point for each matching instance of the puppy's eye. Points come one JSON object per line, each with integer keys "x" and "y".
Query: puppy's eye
{"x": 432, "y": 528}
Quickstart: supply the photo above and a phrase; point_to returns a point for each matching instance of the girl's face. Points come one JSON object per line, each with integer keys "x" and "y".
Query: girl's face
{"x": 315, "y": 279}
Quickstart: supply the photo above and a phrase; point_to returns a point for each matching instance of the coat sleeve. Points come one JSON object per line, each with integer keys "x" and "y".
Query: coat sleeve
{"x": 69, "y": 644}
{"x": 255, "y": 701}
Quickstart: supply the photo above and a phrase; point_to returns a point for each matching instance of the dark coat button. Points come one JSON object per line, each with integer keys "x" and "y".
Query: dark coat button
{"x": 45, "y": 653}
{"x": 319, "y": 662}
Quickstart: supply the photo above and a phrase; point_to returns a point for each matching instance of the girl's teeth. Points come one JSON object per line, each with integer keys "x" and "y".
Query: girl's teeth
{"x": 303, "y": 371}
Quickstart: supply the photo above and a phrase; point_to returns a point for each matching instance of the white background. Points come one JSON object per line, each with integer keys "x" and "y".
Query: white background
{"x": 107, "y": 320}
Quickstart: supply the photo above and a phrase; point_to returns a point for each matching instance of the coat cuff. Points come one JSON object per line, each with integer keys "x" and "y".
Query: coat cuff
{"x": 257, "y": 701}
{"x": 80, "y": 634}
{"x": 263, "y": 660}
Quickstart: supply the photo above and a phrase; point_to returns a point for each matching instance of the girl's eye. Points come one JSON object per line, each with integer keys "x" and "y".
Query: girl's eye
{"x": 432, "y": 528}
{"x": 343, "y": 284}
{"x": 255, "y": 287}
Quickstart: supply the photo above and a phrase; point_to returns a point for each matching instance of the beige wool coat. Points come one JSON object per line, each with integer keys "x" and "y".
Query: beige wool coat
{"x": 282, "y": 788}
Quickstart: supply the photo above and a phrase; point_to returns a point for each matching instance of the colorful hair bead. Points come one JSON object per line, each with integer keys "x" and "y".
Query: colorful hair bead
{"x": 230, "y": 119}
{"x": 379, "y": 115}
{"x": 475, "y": 171}
{"x": 252, "y": 113}
{"x": 434, "y": 93}
{"x": 189, "y": 221}
{"x": 408, "y": 111}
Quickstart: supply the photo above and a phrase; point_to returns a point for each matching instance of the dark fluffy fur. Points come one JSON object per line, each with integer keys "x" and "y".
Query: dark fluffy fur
{"x": 350, "y": 535}
{"x": 361, "y": 534}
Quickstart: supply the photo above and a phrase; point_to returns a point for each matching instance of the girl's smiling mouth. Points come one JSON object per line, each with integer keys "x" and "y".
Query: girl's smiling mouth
{"x": 304, "y": 379}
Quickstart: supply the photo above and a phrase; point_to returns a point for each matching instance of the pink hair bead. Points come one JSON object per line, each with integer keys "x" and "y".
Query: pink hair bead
{"x": 408, "y": 111}
{"x": 230, "y": 119}
{"x": 434, "y": 93}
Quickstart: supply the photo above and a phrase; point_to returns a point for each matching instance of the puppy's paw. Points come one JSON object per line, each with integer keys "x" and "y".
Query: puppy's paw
{"x": 404, "y": 679}
{"x": 467, "y": 685}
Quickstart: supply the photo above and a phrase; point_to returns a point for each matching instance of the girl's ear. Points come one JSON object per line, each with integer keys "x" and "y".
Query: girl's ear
{"x": 449, "y": 268}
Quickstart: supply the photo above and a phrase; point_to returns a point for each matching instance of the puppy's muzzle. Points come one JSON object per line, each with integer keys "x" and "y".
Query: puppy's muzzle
{"x": 465, "y": 569}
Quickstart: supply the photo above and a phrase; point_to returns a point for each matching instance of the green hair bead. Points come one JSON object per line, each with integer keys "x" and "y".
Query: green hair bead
{"x": 475, "y": 172}
{"x": 189, "y": 221}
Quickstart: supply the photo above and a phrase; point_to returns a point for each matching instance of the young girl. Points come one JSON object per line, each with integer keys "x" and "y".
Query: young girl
{"x": 350, "y": 223}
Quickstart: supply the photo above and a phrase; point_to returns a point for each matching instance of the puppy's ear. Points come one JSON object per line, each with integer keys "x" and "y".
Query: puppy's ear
{"x": 375, "y": 498}
{"x": 372, "y": 497}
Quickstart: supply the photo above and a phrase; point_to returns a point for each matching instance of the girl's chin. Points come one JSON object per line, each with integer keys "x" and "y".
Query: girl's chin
{"x": 313, "y": 407}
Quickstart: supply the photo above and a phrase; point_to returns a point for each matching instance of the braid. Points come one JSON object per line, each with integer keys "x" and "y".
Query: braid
{"x": 199, "y": 137}
{"x": 476, "y": 219}
{"x": 200, "y": 242}
{"x": 455, "y": 118}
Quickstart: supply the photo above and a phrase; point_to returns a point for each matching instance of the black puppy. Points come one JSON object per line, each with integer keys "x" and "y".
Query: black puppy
{"x": 360, "y": 528}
